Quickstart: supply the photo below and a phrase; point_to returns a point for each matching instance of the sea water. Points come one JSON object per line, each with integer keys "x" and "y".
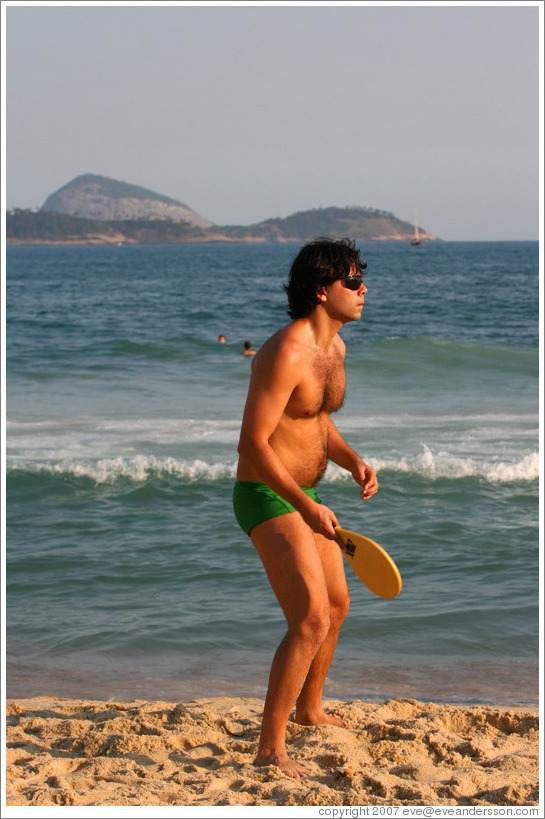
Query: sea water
{"x": 127, "y": 575}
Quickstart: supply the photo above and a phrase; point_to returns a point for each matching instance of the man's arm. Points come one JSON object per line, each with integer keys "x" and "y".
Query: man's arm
{"x": 341, "y": 454}
{"x": 276, "y": 373}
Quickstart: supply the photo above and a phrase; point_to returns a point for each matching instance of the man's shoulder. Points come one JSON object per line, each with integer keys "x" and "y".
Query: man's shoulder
{"x": 340, "y": 346}
{"x": 291, "y": 337}
{"x": 285, "y": 346}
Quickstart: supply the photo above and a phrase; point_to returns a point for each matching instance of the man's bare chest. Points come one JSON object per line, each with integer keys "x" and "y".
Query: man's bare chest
{"x": 321, "y": 388}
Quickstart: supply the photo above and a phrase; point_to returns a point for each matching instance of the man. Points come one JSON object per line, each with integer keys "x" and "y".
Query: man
{"x": 286, "y": 440}
{"x": 248, "y": 348}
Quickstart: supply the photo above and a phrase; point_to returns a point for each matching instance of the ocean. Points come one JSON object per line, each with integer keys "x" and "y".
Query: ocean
{"x": 127, "y": 576}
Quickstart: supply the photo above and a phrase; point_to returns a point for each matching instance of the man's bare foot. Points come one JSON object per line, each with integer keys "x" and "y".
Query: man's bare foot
{"x": 283, "y": 762}
{"x": 318, "y": 718}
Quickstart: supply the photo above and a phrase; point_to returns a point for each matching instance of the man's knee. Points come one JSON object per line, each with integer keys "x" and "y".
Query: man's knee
{"x": 315, "y": 626}
{"x": 339, "y": 609}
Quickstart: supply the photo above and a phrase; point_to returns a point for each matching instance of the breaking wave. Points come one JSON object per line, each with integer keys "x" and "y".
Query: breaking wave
{"x": 439, "y": 466}
{"x": 143, "y": 468}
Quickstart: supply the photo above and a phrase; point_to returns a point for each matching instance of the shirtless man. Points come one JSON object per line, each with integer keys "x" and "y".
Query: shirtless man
{"x": 287, "y": 438}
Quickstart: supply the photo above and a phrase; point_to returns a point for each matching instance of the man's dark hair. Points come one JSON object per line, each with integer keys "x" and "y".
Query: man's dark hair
{"x": 319, "y": 263}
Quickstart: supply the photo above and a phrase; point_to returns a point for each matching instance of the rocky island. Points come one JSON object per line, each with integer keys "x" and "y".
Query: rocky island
{"x": 98, "y": 210}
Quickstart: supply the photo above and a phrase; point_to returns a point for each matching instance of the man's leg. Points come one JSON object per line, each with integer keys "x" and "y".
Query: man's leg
{"x": 309, "y": 710}
{"x": 295, "y": 570}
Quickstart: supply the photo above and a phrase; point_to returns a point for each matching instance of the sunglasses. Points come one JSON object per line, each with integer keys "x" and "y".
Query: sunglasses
{"x": 352, "y": 282}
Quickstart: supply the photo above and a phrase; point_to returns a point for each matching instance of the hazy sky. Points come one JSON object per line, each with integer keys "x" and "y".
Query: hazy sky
{"x": 251, "y": 111}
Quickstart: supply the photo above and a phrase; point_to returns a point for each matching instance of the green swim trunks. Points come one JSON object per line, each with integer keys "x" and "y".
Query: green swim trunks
{"x": 254, "y": 502}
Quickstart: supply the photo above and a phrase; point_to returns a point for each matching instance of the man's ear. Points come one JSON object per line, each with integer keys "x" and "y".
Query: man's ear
{"x": 321, "y": 295}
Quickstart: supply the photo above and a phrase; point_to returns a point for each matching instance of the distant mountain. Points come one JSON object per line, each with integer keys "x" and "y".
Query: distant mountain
{"x": 25, "y": 227}
{"x": 361, "y": 224}
{"x": 98, "y": 197}
{"x": 97, "y": 210}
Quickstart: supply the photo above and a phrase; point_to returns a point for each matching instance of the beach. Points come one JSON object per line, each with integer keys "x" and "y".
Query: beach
{"x": 140, "y": 624}
{"x": 200, "y": 753}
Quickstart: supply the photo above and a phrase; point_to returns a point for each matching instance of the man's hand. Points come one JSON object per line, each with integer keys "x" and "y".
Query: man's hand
{"x": 367, "y": 479}
{"x": 321, "y": 520}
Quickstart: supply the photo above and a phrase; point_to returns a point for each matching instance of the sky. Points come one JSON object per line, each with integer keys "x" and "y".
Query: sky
{"x": 247, "y": 112}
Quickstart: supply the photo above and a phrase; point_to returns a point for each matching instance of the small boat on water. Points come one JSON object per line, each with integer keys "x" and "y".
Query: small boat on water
{"x": 416, "y": 240}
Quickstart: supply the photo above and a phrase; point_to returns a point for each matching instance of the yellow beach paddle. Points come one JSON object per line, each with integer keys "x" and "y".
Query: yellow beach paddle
{"x": 372, "y": 564}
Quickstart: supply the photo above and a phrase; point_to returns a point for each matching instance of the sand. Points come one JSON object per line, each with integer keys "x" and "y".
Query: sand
{"x": 200, "y": 753}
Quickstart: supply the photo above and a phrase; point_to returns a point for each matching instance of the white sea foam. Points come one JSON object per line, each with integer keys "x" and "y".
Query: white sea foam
{"x": 434, "y": 466}
{"x": 139, "y": 469}
{"x": 426, "y": 464}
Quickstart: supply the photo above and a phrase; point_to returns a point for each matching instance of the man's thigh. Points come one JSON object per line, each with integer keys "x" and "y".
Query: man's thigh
{"x": 293, "y": 561}
{"x": 333, "y": 566}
